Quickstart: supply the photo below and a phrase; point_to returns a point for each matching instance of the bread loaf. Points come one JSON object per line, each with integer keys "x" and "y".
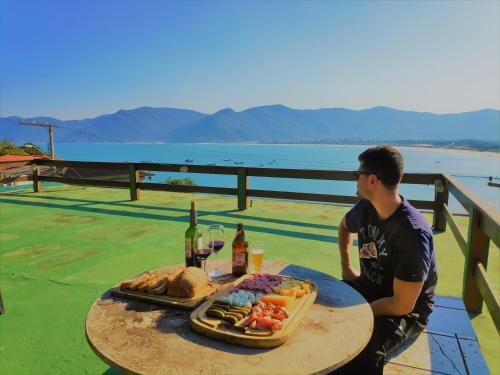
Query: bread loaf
{"x": 173, "y": 275}
{"x": 181, "y": 282}
{"x": 188, "y": 283}
{"x": 160, "y": 289}
{"x": 135, "y": 282}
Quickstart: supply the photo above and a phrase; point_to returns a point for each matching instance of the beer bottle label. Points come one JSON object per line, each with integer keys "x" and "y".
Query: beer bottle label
{"x": 239, "y": 259}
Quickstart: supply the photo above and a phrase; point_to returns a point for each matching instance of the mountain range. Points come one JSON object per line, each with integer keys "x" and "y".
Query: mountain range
{"x": 263, "y": 124}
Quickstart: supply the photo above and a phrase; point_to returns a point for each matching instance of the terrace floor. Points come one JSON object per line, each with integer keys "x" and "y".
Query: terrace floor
{"x": 62, "y": 248}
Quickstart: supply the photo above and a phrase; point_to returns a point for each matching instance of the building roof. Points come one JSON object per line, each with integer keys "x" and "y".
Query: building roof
{"x": 15, "y": 157}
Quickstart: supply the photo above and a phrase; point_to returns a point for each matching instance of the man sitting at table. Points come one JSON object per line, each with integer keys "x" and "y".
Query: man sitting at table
{"x": 398, "y": 269}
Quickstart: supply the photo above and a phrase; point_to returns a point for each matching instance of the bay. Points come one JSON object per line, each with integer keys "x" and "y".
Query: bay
{"x": 471, "y": 168}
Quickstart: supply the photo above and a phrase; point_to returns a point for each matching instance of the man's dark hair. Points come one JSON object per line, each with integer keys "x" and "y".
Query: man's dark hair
{"x": 385, "y": 162}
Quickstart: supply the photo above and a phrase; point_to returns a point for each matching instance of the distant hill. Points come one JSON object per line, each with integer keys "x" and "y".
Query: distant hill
{"x": 264, "y": 124}
{"x": 143, "y": 124}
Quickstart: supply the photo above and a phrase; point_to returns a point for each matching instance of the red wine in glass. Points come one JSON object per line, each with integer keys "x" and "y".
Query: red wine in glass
{"x": 204, "y": 253}
{"x": 216, "y": 245}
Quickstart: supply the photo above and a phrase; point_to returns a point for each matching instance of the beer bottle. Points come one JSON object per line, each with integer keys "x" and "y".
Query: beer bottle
{"x": 240, "y": 252}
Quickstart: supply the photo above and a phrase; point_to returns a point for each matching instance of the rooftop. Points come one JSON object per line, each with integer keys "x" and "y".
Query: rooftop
{"x": 16, "y": 157}
{"x": 62, "y": 248}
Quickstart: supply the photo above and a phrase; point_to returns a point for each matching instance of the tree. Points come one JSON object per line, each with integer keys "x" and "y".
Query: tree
{"x": 7, "y": 147}
{"x": 180, "y": 181}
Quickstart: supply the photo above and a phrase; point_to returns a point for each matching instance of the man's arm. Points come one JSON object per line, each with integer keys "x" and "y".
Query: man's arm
{"x": 403, "y": 301}
{"x": 345, "y": 244}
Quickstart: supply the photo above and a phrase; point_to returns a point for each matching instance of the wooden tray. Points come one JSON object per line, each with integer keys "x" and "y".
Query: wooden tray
{"x": 235, "y": 334}
{"x": 164, "y": 300}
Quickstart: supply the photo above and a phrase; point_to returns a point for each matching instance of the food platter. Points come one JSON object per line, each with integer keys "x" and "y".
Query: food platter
{"x": 164, "y": 300}
{"x": 266, "y": 320}
{"x": 168, "y": 280}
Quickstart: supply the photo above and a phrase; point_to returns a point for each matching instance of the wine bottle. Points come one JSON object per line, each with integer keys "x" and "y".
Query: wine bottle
{"x": 191, "y": 239}
{"x": 240, "y": 252}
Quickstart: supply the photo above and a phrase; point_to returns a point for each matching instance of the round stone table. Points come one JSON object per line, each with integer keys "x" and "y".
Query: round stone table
{"x": 137, "y": 337}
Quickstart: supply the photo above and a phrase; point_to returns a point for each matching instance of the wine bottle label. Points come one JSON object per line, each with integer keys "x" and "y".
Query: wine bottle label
{"x": 238, "y": 259}
{"x": 187, "y": 247}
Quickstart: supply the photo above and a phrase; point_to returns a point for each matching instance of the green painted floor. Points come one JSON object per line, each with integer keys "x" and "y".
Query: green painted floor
{"x": 62, "y": 248}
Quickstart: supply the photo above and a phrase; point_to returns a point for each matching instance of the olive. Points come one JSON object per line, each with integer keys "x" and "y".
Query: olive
{"x": 235, "y": 314}
{"x": 215, "y": 313}
{"x": 244, "y": 310}
{"x": 230, "y": 318}
{"x": 221, "y": 306}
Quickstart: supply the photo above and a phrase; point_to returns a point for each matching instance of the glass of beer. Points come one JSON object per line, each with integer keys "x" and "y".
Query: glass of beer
{"x": 257, "y": 254}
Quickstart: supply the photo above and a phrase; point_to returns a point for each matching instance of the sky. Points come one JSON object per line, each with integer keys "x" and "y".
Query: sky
{"x": 81, "y": 59}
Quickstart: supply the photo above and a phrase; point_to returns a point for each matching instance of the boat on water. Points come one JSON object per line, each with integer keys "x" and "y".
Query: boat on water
{"x": 189, "y": 160}
{"x": 211, "y": 164}
{"x": 239, "y": 162}
{"x": 227, "y": 159}
{"x": 491, "y": 183}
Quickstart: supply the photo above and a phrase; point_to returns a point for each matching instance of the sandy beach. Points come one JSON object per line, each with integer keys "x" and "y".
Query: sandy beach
{"x": 419, "y": 146}
{"x": 454, "y": 150}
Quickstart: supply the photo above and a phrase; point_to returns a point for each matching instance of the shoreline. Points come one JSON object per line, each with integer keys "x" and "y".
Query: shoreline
{"x": 451, "y": 149}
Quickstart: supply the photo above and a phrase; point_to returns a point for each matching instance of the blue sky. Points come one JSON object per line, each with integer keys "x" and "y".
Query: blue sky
{"x": 79, "y": 59}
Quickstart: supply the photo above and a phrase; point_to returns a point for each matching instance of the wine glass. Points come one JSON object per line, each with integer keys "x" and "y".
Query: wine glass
{"x": 204, "y": 251}
{"x": 215, "y": 243}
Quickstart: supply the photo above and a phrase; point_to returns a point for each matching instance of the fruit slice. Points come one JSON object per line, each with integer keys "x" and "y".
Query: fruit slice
{"x": 300, "y": 293}
{"x": 288, "y": 292}
{"x": 277, "y": 300}
{"x": 307, "y": 288}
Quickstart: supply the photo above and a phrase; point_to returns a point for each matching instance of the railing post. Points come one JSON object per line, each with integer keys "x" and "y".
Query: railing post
{"x": 242, "y": 189}
{"x": 478, "y": 246}
{"x": 37, "y": 185}
{"x": 135, "y": 192}
{"x": 441, "y": 195}
{"x": 2, "y": 308}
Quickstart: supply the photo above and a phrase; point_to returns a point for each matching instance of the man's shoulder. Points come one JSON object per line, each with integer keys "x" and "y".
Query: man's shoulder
{"x": 414, "y": 232}
{"x": 359, "y": 215}
{"x": 414, "y": 220}
{"x": 363, "y": 204}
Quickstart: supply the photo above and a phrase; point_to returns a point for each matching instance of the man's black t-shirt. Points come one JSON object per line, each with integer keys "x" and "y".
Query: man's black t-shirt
{"x": 399, "y": 247}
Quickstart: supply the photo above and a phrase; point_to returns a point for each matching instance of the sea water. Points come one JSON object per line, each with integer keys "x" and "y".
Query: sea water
{"x": 471, "y": 168}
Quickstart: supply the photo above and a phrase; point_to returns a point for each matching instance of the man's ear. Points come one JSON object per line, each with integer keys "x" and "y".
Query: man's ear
{"x": 372, "y": 179}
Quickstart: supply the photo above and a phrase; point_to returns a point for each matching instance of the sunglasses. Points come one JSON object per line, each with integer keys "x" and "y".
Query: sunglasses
{"x": 359, "y": 173}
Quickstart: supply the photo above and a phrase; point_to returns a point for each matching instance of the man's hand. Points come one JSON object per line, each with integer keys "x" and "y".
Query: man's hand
{"x": 349, "y": 273}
